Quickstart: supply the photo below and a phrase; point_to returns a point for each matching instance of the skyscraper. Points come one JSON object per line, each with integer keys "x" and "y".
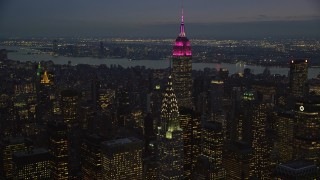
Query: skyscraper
{"x": 307, "y": 129}
{"x": 261, "y": 148}
{"x": 55, "y": 47}
{"x": 182, "y": 85}
{"x": 284, "y": 140}
{"x": 299, "y": 169}
{"x": 122, "y": 159}
{"x": 211, "y": 151}
{"x": 170, "y": 137}
{"x": 182, "y": 67}
{"x": 33, "y": 164}
{"x": 8, "y": 146}
{"x": 298, "y": 77}
{"x": 45, "y": 79}
{"x": 58, "y": 148}
{"x": 91, "y": 166}
{"x": 69, "y": 107}
{"x": 238, "y": 160}
{"x": 190, "y": 123}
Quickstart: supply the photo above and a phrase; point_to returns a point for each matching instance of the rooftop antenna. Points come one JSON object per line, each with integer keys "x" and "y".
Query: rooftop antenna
{"x": 182, "y": 32}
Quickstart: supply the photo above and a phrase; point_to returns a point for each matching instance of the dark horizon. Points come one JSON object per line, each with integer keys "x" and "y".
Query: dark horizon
{"x": 143, "y": 19}
{"x": 223, "y": 30}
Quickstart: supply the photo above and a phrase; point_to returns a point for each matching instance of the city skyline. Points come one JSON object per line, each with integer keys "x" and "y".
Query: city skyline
{"x": 84, "y": 121}
{"x": 206, "y": 19}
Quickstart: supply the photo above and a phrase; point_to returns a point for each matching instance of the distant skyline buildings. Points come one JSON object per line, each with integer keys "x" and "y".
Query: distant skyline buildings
{"x": 215, "y": 19}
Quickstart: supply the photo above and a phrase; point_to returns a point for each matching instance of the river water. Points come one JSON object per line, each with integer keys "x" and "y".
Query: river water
{"x": 24, "y": 54}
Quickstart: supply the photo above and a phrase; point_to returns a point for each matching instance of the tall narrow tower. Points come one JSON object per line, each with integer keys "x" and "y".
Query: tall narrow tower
{"x": 298, "y": 77}
{"x": 170, "y": 137}
{"x": 182, "y": 68}
{"x": 182, "y": 84}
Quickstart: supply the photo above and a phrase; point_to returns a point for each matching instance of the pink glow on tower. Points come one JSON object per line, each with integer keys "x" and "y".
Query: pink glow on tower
{"x": 182, "y": 45}
{"x": 182, "y": 33}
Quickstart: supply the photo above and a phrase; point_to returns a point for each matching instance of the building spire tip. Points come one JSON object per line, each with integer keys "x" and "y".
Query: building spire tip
{"x": 182, "y": 32}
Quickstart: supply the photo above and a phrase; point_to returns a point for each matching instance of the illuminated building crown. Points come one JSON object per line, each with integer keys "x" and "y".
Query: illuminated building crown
{"x": 45, "y": 79}
{"x": 182, "y": 44}
{"x": 169, "y": 109}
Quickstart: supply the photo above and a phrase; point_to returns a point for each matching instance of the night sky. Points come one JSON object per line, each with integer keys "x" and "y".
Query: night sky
{"x": 151, "y": 18}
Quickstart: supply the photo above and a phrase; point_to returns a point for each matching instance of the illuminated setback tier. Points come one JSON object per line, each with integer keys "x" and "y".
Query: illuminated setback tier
{"x": 182, "y": 47}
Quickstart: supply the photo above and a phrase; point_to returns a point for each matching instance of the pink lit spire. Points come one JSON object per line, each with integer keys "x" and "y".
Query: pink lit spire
{"x": 182, "y": 44}
{"x": 182, "y": 33}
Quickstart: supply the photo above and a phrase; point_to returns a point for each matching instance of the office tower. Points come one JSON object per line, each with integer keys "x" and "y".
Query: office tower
{"x": 298, "y": 75}
{"x": 101, "y": 50}
{"x": 212, "y": 149}
{"x": 105, "y": 97}
{"x": 3, "y": 54}
{"x": 190, "y": 123}
{"x": 284, "y": 127}
{"x": 149, "y": 134}
{"x": 239, "y": 125}
{"x": 209, "y": 163}
{"x": 137, "y": 121}
{"x": 238, "y": 160}
{"x": 261, "y": 148}
{"x": 182, "y": 68}
{"x": 55, "y": 49}
{"x": 265, "y": 90}
{"x": 182, "y": 84}
{"x": 216, "y": 91}
{"x": 59, "y": 149}
{"x": 21, "y": 113}
{"x": 155, "y": 103}
{"x": 170, "y": 137}
{"x": 45, "y": 107}
{"x": 299, "y": 169}
{"x": 122, "y": 158}
{"x": 8, "y": 147}
{"x": 6, "y": 115}
{"x": 45, "y": 79}
{"x": 150, "y": 168}
{"x": 223, "y": 73}
{"x": 245, "y": 120}
{"x": 91, "y": 166}
{"x": 32, "y": 164}
{"x": 88, "y": 116}
{"x": 314, "y": 86}
{"x": 307, "y": 129}
{"x": 108, "y": 121}
{"x": 123, "y": 105}
{"x": 69, "y": 107}
{"x": 39, "y": 70}
{"x": 95, "y": 86}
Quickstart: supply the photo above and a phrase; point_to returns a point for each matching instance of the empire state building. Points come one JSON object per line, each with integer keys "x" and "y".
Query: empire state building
{"x": 182, "y": 68}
